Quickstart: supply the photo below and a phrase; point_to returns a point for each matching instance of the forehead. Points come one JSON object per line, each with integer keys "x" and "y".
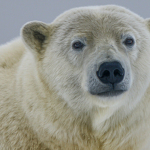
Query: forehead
{"x": 99, "y": 20}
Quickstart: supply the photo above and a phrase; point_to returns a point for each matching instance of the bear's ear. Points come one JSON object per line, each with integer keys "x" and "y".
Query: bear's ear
{"x": 148, "y": 23}
{"x": 36, "y": 35}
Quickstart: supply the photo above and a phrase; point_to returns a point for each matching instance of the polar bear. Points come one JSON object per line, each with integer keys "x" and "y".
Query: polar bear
{"x": 79, "y": 83}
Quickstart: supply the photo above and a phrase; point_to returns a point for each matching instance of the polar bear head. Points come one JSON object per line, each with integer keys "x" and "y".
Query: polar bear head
{"x": 93, "y": 56}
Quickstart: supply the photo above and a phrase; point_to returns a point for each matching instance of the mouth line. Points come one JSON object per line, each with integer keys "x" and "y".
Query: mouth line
{"x": 111, "y": 93}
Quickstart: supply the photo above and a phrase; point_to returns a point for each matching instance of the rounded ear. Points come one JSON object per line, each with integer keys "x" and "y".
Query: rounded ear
{"x": 36, "y": 36}
{"x": 148, "y": 23}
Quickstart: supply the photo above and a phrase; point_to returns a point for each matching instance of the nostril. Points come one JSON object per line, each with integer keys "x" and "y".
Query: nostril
{"x": 117, "y": 73}
{"x": 106, "y": 73}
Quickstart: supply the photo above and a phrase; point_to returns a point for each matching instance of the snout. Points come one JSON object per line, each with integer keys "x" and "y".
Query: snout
{"x": 109, "y": 79}
{"x": 110, "y": 73}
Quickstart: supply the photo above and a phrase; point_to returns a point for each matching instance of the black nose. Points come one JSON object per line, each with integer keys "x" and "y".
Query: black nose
{"x": 110, "y": 72}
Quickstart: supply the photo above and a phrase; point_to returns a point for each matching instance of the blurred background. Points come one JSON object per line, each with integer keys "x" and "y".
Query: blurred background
{"x": 15, "y": 13}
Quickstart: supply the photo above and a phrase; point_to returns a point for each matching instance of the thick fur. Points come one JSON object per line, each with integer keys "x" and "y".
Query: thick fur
{"x": 45, "y": 103}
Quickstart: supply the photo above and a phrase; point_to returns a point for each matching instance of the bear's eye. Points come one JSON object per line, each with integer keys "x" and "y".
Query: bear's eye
{"x": 129, "y": 42}
{"x": 77, "y": 45}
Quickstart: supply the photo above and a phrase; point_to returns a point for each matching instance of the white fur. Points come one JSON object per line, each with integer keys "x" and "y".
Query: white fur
{"x": 44, "y": 98}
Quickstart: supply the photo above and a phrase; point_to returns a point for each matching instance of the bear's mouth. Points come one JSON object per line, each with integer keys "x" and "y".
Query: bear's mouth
{"x": 111, "y": 93}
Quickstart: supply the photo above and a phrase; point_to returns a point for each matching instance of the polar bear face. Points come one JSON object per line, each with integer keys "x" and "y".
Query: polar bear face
{"x": 93, "y": 56}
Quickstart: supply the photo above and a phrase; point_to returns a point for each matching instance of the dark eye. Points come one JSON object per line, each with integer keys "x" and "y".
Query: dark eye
{"x": 129, "y": 42}
{"x": 77, "y": 45}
